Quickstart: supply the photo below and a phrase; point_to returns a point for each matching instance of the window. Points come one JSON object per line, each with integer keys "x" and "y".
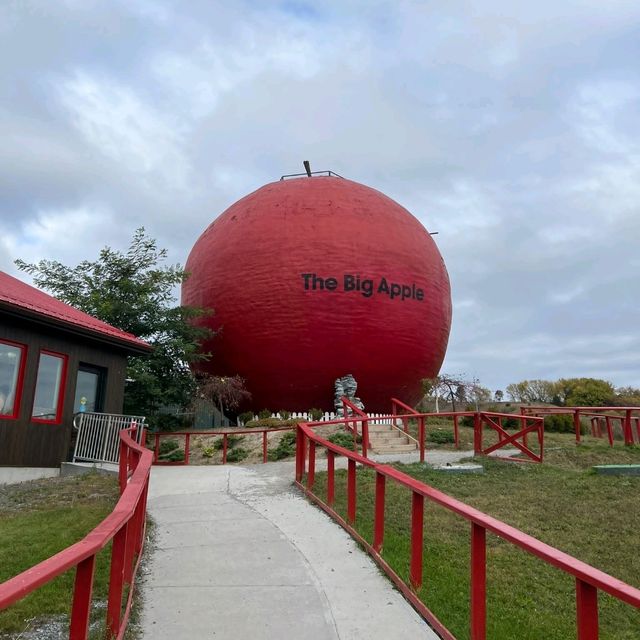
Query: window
{"x": 89, "y": 388}
{"x": 12, "y": 358}
{"x": 47, "y": 404}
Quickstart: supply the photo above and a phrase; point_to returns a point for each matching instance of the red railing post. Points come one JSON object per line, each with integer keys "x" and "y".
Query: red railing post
{"x": 365, "y": 437}
{"x": 638, "y": 428}
{"x": 417, "y": 539}
{"x": 477, "y": 433}
{"x": 82, "y": 592}
{"x": 378, "y": 524}
{"x": 576, "y": 424}
{"x": 523, "y": 423}
{"x": 607, "y": 420}
{"x": 421, "y": 436}
{"x": 300, "y": 447}
{"x": 456, "y": 435}
{"x": 311, "y": 474}
{"x": 628, "y": 433}
{"x": 541, "y": 437}
{"x": 351, "y": 491}
{"x": 225, "y": 444}
{"x": 331, "y": 479}
{"x": 478, "y": 607}
{"x": 116, "y": 581}
{"x": 187, "y": 442}
{"x": 264, "y": 447}
{"x": 586, "y": 610}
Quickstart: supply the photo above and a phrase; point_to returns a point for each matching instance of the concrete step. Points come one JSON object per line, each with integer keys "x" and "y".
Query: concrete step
{"x": 380, "y": 427}
{"x": 394, "y": 448}
{"x": 390, "y": 440}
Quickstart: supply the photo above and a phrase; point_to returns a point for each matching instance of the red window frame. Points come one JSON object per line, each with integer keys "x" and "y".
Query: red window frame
{"x": 61, "y": 391}
{"x": 20, "y": 382}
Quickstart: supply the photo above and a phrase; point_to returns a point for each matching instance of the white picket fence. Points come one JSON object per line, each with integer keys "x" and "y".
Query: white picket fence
{"x": 98, "y": 435}
{"x": 328, "y": 416}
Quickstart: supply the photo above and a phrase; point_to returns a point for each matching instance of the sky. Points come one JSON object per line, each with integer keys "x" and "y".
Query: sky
{"x": 511, "y": 129}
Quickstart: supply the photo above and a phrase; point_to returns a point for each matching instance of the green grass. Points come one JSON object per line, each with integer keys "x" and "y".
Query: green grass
{"x": 40, "y": 518}
{"x": 594, "y": 518}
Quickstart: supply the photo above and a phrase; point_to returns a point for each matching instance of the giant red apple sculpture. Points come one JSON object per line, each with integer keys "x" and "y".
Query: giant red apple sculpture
{"x": 314, "y": 278}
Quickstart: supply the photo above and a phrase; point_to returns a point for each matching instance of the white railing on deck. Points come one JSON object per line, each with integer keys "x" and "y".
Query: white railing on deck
{"x": 98, "y": 435}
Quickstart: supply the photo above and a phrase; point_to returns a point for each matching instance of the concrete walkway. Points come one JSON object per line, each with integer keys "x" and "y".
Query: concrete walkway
{"x": 239, "y": 553}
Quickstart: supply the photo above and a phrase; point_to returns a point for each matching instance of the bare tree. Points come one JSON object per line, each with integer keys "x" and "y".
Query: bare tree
{"x": 224, "y": 391}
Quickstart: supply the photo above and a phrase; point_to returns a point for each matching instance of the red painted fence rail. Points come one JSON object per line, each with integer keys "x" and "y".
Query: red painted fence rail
{"x": 588, "y": 580}
{"x": 211, "y": 433}
{"x": 125, "y": 525}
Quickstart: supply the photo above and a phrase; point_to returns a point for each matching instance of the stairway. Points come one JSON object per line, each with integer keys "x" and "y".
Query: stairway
{"x": 384, "y": 438}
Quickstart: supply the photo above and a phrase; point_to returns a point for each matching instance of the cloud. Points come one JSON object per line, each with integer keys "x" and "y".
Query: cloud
{"x": 510, "y": 129}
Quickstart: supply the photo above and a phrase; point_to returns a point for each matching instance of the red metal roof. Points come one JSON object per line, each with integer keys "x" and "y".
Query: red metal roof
{"x": 24, "y": 297}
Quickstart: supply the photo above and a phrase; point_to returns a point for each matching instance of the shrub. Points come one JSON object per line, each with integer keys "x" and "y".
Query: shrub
{"x": 467, "y": 421}
{"x": 284, "y": 414}
{"x": 245, "y": 417}
{"x": 561, "y": 423}
{"x": 264, "y": 414}
{"x": 232, "y": 441}
{"x": 237, "y": 454}
{"x": 315, "y": 414}
{"x": 440, "y": 436}
{"x": 269, "y": 423}
{"x": 511, "y": 423}
{"x": 343, "y": 439}
{"x": 207, "y": 452}
{"x": 167, "y": 446}
{"x": 175, "y": 456}
{"x": 286, "y": 447}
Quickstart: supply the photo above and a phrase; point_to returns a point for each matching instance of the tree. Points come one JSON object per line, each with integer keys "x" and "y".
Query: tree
{"x": 585, "y": 392}
{"x": 133, "y": 291}
{"x": 498, "y": 395}
{"x": 627, "y": 397}
{"x": 227, "y": 392}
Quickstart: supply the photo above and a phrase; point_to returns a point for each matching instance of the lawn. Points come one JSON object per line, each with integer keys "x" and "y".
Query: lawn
{"x": 594, "y": 518}
{"x": 40, "y": 518}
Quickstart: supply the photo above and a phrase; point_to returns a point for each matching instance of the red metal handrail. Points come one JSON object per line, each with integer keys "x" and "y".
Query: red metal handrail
{"x": 125, "y": 525}
{"x": 626, "y": 421}
{"x": 588, "y": 579}
{"x": 213, "y": 434}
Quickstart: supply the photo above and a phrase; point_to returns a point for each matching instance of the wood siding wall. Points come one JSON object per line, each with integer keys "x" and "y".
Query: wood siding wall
{"x": 33, "y": 444}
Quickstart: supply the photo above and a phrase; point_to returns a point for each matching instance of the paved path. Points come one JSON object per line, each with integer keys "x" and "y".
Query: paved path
{"x": 239, "y": 553}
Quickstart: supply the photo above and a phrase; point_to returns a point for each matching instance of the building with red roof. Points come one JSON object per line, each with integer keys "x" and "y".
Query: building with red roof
{"x": 54, "y": 361}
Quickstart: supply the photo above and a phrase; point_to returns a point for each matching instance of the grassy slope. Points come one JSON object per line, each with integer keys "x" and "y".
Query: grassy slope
{"x": 38, "y": 519}
{"x": 592, "y": 517}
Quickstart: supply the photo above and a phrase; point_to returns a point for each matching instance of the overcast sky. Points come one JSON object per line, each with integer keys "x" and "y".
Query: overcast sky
{"x": 513, "y": 132}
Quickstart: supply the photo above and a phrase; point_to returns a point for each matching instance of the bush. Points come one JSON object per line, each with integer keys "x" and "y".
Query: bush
{"x": 315, "y": 414}
{"x": 512, "y": 423}
{"x": 245, "y": 417}
{"x": 269, "y": 423}
{"x": 284, "y": 414}
{"x": 561, "y": 423}
{"x": 264, "y": 414}
{"x": 286, "y": 447}
{"x": 175, "y": 456}
{"x": 237, "y": 454}
{"x": 343, "y": 439}
{"x": 440, "y": 436}
{"x": 207, "y": 452}
{"x": 167, "y": 446}
{"x": 232, "y": 441}
{"x": 466, "y": 421}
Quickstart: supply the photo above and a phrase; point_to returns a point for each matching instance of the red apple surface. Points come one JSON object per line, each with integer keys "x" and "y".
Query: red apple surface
{"x": 314, "y": 278}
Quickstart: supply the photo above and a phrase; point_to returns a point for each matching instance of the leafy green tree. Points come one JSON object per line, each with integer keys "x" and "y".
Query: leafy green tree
{"x": 498, "y": 395}
{"x": 133, "y": 291}
{"x": 584, "y": 392}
